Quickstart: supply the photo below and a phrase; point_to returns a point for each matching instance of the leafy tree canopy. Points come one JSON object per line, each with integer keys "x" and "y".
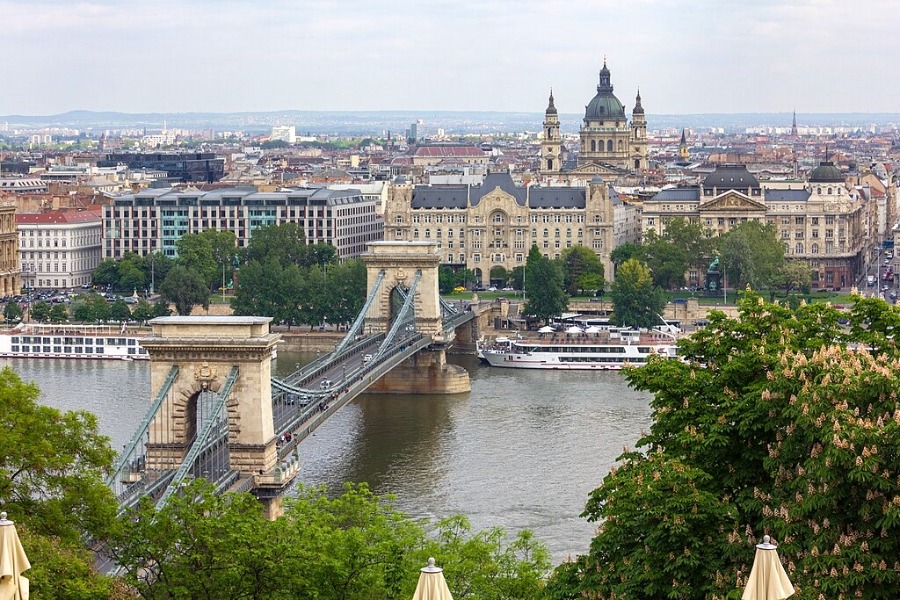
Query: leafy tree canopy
{"x": 752, "y": 254}
{"x": 582, "y": 270}
{"x": 637, "y": 302}
{"x": 779, "y": 422}
{"x": 545, "y": 296}
{"x": 185, "y": 288}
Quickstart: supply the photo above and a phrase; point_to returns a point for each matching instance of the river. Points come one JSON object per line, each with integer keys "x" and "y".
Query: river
{"x": 522, "y": 450}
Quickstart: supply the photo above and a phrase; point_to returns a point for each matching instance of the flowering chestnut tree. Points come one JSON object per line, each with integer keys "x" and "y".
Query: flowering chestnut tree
{"x": 777, "y": 422}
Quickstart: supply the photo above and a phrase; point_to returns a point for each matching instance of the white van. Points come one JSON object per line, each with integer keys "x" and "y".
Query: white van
{"x": 870, "y": 280}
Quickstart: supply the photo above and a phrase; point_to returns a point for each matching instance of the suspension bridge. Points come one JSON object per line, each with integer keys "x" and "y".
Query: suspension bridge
{"x": 217, "y": 411}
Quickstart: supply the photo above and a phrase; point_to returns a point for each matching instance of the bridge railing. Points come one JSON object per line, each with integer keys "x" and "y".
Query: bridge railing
{"x": 200, "y": 443}
{"x": 315, "y": 369}
{"x": 311, "y": 416}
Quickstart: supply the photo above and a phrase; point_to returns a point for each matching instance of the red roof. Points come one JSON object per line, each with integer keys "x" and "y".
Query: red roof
{"x": 447, "y": 151}
{"x": 58, "y": 218}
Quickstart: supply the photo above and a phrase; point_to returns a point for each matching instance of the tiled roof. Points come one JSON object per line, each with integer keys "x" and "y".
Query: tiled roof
{"x": 58, "y": 218}
{"x": 448, "y": 151}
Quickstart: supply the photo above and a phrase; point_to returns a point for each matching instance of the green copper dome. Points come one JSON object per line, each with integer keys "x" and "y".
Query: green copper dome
{"x": 826, "y": 172}
{"x": 604, "y": 105}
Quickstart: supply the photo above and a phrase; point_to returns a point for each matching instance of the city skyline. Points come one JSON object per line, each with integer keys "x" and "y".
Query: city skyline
{"x": 686, "y": 57}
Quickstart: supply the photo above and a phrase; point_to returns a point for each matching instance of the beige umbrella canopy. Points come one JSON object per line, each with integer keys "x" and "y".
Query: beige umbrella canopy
{"x": 767, "y": 580}
{"x": 12, "y": 563}
{"x": 432, "y": 585}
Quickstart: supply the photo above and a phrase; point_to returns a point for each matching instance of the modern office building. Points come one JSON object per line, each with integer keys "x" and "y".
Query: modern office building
{"x": 821, "y": 220}
{"x": 153, "y": 220}
{"x": 489, "y": 228}
{"x": 58, "y": 250}
{"x": 187, "y": 167}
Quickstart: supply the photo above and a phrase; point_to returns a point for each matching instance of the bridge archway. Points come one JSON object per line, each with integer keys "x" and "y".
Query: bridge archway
{"x": 401, "y": 262}
{"x": 204, "y": 350}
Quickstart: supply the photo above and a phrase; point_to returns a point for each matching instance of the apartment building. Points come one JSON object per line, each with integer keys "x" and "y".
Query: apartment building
{"x": 153, "y": 220}
{"x": 58, "y": 250}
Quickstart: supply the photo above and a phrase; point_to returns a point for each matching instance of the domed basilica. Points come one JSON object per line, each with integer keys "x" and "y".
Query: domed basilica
{"x": 610, "y": 145}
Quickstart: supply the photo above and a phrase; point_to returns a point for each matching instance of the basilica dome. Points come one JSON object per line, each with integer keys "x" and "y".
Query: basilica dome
{"x": 604, "y": 105}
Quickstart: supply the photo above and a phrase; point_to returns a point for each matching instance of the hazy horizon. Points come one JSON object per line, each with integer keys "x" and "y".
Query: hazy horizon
{"x": 223, "y": 56}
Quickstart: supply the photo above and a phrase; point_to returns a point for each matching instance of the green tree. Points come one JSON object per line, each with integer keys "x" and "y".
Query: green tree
{"x": 778, "y": 422}
{"x": 51, "y": 483}
{"x": 161, "y": 308}
{"x": 637, "y": 302}
{"x": 58, "y": 313}
{"x": 106, "y": 274}
{"x": 40, "y": 311}
{"x": 185, "y": 288}
{"x": 796, "y": 275}
{"x": 223, "y": 245}
{"x": 668, "y": 263}
{"x": 624, "y": 252}
{"x": 582, "y": 270}
{"x": 195, "y": 253}
{"x": 499, "y": 275}
{"x": 319, "y": 254}
{"x": 286, "y": 243}
{"x": 697, "y": 242}
{"x": 82, "y": 311}
{"x": 751, "y": 253}
{"x": 12, "y": 312}
{"x": 346, "y": 291}
{"x": 119, "y": 311}
{"x": 100, "y": 308}
{"x": 352, "y": 546}
{"x": 131, "y": 277}
{"x": 545, "y": 296}
{"x": 517, "y": 277}
{"x": 142, "y": 312}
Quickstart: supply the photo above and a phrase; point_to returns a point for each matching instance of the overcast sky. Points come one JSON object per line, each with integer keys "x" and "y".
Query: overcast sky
{"x": 687, "y": 56}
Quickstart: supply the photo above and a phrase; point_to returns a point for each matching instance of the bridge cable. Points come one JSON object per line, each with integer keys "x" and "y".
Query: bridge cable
{"x": 151, "y": 413}
{"x": 402, "y": 317}
{"x": 199, "y": 443}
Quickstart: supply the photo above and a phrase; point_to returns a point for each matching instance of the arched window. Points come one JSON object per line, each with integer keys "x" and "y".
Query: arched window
{"x": 593, "y": 145}
{"x": 819, "y": 190}
{"x": 637, "y": 163}
{"x": 798, "y": 248}
{"x": 609, "y": 145}
{"x": 550, "y": 164}
{"x": 829, "y": 190}
{"x": 815, "y": 248}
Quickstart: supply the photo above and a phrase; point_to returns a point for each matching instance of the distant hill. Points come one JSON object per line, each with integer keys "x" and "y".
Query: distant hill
{"x": 397, "y": 122}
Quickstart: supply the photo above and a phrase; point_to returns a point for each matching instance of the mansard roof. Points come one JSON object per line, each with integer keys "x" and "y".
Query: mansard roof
{"x": 786, "y": 195}
{"x": 461, "y": 196}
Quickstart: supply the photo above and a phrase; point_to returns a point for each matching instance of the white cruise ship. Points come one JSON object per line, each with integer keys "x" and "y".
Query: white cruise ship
{"x": 71, "y": 341}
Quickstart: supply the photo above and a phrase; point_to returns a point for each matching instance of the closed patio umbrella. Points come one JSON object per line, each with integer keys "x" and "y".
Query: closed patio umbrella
{"x": 767, "y": 580}
{"x": 13, "y": 562}
{"x": 432, "y": 585}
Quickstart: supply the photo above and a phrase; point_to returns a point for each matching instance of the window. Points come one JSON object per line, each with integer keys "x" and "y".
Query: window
{"x": 798, "y": 248}
{"x": 476, "y": 258}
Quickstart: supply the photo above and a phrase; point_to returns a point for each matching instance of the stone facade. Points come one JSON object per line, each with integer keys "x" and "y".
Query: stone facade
{"x": 820, "y": 221}
{"x": 10, "y": 281}
{"x": 490, "y": 228}
{"x": 205, "y": 349}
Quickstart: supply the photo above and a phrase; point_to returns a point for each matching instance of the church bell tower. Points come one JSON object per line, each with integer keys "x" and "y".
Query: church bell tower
{"x": 551, "y": 146}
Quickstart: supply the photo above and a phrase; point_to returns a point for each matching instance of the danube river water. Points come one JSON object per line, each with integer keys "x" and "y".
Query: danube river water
{"x": 522, "y": 450}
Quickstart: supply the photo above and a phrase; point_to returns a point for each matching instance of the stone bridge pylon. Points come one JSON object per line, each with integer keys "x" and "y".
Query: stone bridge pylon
{"x": 399, "y": 264}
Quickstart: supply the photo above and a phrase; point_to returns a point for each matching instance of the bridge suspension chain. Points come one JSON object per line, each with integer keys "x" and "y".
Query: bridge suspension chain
{"x": 200, "y": 443}
{"x": 361, "y": 317}
{"x": 405, "y": 315}
{"x": 138, "y": 436}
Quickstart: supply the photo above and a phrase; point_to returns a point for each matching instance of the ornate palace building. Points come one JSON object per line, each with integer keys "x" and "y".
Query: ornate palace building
{"x": 822, "y": 221}
{"x": 610, "y": 145}
{"x": 489, "y": 228}
{"x": 10, "y": 282}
